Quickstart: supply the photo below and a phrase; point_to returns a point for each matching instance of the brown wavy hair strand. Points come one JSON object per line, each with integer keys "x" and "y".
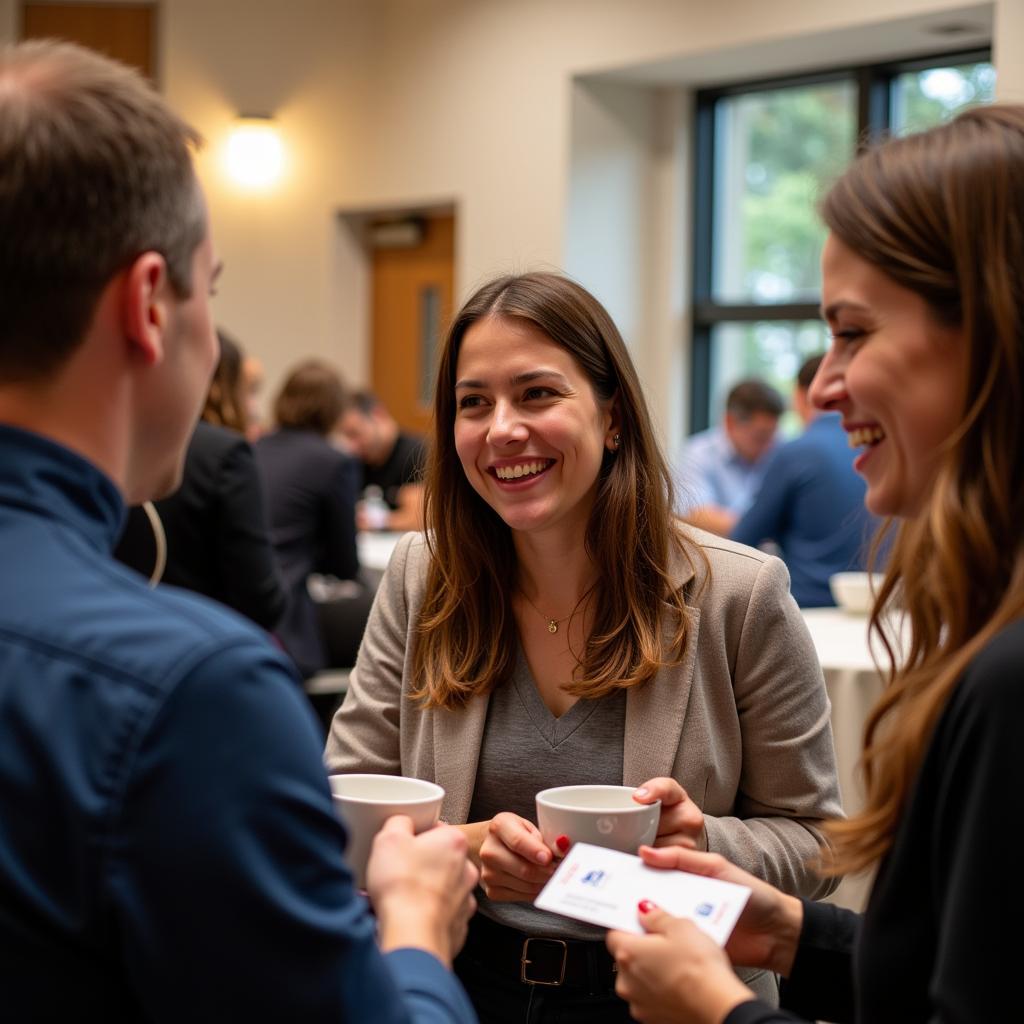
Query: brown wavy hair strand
{"x": 942, "y": 213}
{"x": 225, "y": 403}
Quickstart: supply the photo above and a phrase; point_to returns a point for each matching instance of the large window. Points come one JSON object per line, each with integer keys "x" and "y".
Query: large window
{"x": 765, "y": 153}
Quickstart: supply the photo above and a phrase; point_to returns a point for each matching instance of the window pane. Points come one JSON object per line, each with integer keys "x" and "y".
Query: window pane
{"x": 775, "y": 153}
{"x": 921, "y": 99}
{"x": 771, "y": 350}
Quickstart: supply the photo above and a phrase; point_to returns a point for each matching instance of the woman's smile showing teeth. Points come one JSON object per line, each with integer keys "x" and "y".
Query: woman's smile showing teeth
{"x": 865, "y": 436}
{"x": 521, "y": 469}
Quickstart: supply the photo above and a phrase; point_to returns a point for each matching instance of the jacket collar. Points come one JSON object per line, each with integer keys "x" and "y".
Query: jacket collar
{"x": 45, "y": 478}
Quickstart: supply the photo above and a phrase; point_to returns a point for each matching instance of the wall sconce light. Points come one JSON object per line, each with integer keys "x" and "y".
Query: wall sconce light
{"x": 254, "y": 155}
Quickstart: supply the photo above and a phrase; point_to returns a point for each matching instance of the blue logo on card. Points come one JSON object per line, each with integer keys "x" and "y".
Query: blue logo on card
{"x": 594, "y": 878}
{"x": 704, "y": 909}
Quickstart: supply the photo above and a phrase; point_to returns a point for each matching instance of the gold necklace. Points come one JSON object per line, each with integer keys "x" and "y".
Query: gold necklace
{"x": 553, "y": 624}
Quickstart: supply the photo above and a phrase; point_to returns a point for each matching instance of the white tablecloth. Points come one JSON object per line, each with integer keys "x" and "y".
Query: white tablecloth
{"x": 854, "y": 684}
{"x": 375, "y": 548}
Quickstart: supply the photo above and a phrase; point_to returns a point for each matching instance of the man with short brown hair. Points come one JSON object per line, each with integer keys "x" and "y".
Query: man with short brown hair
{"x": 392, "y": 463}
{"x": 811, "y": 504}
{"x": 168, "y": 847}
{"x": 722, "y": 467}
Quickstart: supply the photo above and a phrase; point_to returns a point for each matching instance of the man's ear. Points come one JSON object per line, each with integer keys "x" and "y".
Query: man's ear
{"x": 146, "y": 306}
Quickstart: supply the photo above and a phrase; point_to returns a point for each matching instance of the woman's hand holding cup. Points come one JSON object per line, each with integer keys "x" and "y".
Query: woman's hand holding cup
{"x": 681, "y": 822}
{"x": 515, "y": 863}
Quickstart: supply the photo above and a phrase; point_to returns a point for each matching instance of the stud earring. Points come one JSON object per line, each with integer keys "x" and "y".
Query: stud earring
{"x": 616, "y": 440}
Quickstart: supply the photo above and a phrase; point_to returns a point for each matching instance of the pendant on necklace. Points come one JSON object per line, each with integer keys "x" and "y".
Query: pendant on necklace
{"x": 552, "y": 626}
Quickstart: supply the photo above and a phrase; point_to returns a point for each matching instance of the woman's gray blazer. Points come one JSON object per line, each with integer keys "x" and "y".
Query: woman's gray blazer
{"x": 742, "y": 723}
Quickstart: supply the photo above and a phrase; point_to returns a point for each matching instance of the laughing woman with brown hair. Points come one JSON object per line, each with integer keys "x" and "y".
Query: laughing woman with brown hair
{"x": 556, "y": 625}
{"x": 923, "y": 292}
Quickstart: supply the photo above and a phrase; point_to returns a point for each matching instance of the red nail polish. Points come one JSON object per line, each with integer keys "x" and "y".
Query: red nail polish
{"x": 646, "y": 906}
{"x": 562, "y": 842}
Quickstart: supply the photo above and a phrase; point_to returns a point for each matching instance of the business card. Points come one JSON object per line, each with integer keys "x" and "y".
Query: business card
{"x": 603, "y": 887}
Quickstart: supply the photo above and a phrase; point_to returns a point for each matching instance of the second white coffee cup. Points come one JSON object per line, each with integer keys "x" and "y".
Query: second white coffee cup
{"x": 601, "y": 815}
{"x": 365, "y": 802}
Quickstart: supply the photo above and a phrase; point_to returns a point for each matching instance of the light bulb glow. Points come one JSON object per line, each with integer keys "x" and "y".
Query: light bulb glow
{"x": 254, "y": 155}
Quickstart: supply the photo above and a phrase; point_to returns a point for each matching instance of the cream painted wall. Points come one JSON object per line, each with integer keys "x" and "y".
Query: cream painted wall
{"x": 307, "y": 63}
{"x": 492, "y": 105}
{"x": 475, "y": 100}
{"x": 1008, "y": 53}
{"x": 628, "y": 204}
{"x": 480, "y": 91}
{"x": 528, "y": 155}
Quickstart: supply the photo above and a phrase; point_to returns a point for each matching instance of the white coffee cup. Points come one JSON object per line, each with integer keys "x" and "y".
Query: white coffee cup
{"x": 601, "y": 815}
{"x": 365, "y": 802}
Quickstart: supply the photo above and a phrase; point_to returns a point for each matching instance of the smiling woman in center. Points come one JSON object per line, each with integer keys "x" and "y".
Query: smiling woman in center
{"x": 558, "y": 626}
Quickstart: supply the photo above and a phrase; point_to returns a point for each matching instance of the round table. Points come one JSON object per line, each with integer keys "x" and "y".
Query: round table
{"x": 854, "y": 682}
{"x": 375, "y": 547}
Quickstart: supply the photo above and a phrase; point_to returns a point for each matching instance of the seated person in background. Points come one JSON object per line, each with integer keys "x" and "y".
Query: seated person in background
{"x": 561, "y": 626}
{"x": 168, "y": 846}
{"x": 811, "y": 503}
{"x": 312, "y": 488}
{"x": 722, "y": 467}
{"x": 213, "y": 529}
{"x": 392, "y": 462}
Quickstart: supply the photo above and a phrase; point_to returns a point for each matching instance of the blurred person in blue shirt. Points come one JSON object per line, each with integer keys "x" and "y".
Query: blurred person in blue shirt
{"x": 168, "y": 846}
{"x": 811, "y": 502}
{"x": 721, "y": 468}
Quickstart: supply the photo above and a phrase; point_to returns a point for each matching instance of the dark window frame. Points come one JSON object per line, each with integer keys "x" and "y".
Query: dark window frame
{"x": 874, "y": 83}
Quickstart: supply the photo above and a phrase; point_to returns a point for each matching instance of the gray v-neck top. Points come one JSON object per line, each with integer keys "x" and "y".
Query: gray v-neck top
{"x": 526, "y": 749}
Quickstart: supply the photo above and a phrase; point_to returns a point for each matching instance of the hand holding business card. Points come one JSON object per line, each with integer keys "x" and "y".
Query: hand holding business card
{"x": 603, "y": 887}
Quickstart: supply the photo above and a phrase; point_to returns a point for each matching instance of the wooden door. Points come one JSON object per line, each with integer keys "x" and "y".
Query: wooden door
{"x": 122, "y": 31}
{"x": 411, "y": 307}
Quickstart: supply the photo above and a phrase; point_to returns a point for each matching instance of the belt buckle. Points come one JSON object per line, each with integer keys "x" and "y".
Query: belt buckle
{"x": 525, "y": 961}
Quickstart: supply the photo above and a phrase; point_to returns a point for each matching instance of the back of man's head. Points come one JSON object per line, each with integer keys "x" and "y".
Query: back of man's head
{"x": 752, "y": 396}
{"x": 807, "y": 370}
{"x": 805, "y": 375}
{"x": 94, "y": 171}
{"x": 311, "y": 398}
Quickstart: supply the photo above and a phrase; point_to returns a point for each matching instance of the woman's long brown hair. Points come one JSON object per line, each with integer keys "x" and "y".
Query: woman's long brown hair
{"x": 467, "y": 640}
{"x": 942, "y": 214}
{"x": 225, "y": 406}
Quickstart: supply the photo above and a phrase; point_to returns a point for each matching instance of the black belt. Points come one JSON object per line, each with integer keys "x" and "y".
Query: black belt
{"x": 538, "y": 960}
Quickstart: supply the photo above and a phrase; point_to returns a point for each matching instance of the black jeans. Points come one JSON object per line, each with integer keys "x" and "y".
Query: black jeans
{"x": 489, "y": 969}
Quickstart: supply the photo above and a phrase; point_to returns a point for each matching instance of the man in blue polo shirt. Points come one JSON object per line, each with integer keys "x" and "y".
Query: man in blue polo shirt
{"x": 811, "y": 502}
{"x": 168, "y": 848}
{"x": 722, "y": 468}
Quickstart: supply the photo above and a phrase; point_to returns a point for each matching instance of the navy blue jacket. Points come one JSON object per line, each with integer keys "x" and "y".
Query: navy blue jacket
{"x": 811, "y": 504}
{"x": 311, "y": 490}
{"x": 168, "y": 849}
{"x": 218, "y": 541}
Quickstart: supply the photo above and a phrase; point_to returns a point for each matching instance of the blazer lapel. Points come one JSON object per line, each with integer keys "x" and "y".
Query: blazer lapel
{"x": 654, "y": 716}
{"x": 457, "y": 739}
